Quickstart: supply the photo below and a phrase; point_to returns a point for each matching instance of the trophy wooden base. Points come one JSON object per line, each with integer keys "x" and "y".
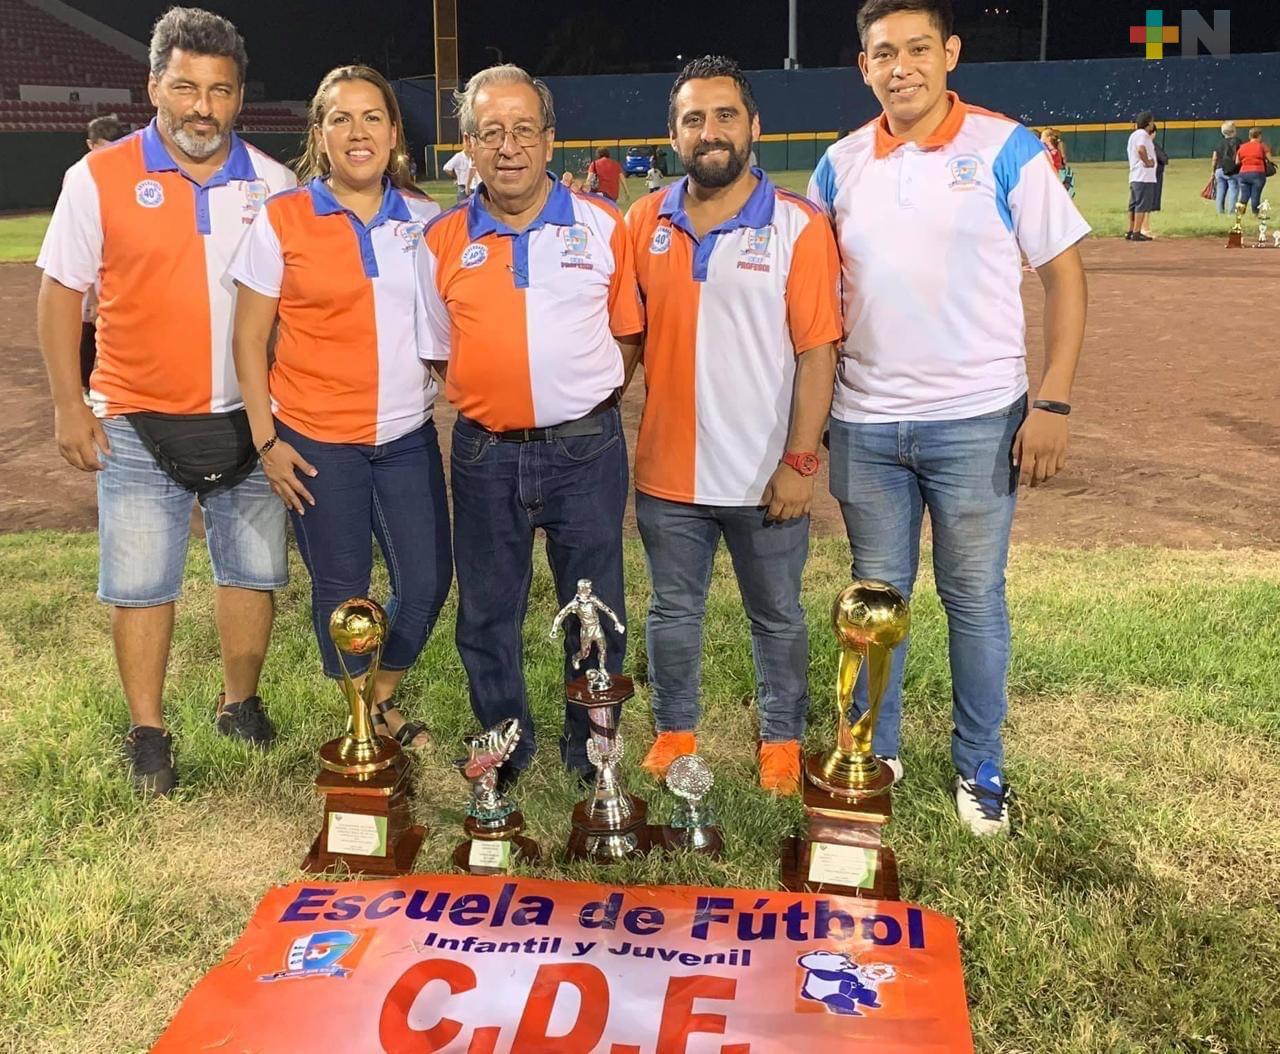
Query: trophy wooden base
{"x": 367, "y": 825}
{"x": 605, "y": 842}
{"x": 706, "y": 841}
{"x": 580, "y": 691}
{"x": 1235, "y": 239}
{"x": 841, "y": 850}
{"x": 483, "y": 852}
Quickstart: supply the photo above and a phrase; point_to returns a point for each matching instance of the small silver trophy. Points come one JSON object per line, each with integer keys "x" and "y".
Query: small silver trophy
{"x": 587, "y": 607}
{"x": 693, "y": 822}
{"x": 494, "y": 823}
{"x": 1264, "y": 215}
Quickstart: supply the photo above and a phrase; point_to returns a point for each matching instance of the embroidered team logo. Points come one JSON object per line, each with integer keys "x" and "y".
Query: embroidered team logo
{"x": 316, "y": 955}
{"x": 964, "y": 172}
{"x": 149, "y": 193}
{"x": 661, "y": 241}
{"x": 255, "y": 195}
{"x": 575, "y": 253}
{"x": 842, "y": 985}
{"x": 755, "y": 254}
{"x": 474, "y": 255}
{"x": 410, "y": 234}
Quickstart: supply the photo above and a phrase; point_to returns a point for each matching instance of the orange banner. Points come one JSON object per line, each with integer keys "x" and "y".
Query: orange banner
{"x": 528, "y": 966}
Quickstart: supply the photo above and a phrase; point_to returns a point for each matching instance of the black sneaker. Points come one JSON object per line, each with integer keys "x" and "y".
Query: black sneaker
{"x": 508, "y": 774}
{"x": 150, "y": 753}
{"x": 245, "y": 720}
{"x": 1140, "y": 237}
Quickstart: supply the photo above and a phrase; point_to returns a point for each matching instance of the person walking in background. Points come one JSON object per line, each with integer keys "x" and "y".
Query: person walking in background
{"x": 102, "y": 131}
{"x": 1142, "y": 176}
{"x": 464, "y": 174}
{"x": 1162, "y": 161}
{"x": 1255, "y": 166}
{"x": 342, "y": 422}
{"x": 605, "y": 176}
{"x": 653, "y": 178}
{"x": 1226, "y": 169}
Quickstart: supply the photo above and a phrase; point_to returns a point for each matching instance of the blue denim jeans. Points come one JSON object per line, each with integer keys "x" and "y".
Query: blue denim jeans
{"x": 680, "y": 542}
{"x": 1251, "y": 184}
{"x": 885, "y": 476}
{"x": 393, "y": 493}
{"x": 1226, "y": 190}
{"x": 144, "y": 525}
{"x": 575, "y": 489}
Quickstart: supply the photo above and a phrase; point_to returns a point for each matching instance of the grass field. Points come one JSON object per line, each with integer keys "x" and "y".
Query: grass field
{"x": 1135, "y": 911}
{"x": 1102, "y": 195}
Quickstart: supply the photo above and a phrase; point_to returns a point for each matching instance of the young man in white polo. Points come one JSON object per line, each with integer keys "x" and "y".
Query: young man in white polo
{"x": 1142, "y": 176}
{"x": 934, "y": 203}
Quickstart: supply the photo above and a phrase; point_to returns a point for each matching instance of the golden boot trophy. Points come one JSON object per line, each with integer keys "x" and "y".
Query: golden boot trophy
{"x": 364, "y": 778}
{"x": 847, "y": 789}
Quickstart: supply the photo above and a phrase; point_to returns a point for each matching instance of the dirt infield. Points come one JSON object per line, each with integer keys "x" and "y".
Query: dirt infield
{"x": 1176, "y": 437}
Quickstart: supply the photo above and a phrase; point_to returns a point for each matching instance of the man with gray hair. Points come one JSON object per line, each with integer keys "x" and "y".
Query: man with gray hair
{"x": 528, "y": 289}
{"x": 157, "y": 216}
{"x": 1226, "y": 168}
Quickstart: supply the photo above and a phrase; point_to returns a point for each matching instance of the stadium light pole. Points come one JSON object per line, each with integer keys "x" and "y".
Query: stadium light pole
{"x": 791, "y": 62}
{"x": 1044, "y": 29}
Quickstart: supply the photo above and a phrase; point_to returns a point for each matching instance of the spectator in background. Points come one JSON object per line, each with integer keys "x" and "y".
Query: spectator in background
{"x": 1226, "y": 168}
{"x": 102, "y": 131}
{"x": 1142, "y": 176}
{"x": 1254, "y": 157}
{"x": 1057, "y": 153}
{"x": 464, "y": 173}
{"x": 604, "y": 176}
{"x": 566, "y": 178}
{"x": 1162, "y": 161}
{"x": 653, "y": 178}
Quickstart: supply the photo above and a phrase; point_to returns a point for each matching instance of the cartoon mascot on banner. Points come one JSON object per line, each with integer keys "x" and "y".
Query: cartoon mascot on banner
{"x": 841, "y": 984}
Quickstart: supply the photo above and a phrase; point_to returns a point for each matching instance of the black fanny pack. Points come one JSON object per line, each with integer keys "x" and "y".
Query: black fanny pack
{"x": 201, "y": 452}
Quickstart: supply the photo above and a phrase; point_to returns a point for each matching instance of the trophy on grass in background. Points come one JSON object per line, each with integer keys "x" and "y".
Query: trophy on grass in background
{"x": 1264, "y": 214}
{"x": 364, "y": 777}
{"x": 612, "y": 824}
{"x": 847, "y": 789}
{"x": 494, "y": 823}
{"x": 1235, "y": 237}
{"x": 693, "y": 822}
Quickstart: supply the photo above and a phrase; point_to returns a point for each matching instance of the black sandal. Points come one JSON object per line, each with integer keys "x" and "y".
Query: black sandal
{"x": 406, "y": 733}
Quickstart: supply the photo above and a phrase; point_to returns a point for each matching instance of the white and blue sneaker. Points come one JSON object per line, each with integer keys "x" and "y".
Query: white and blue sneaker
{"x": 895, "y": 766}
{"x": 983, "y": 802}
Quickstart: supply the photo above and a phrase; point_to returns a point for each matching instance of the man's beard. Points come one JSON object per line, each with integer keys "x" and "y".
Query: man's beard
{"x": 713, "y": 174}
{"x": 192, "y": 145}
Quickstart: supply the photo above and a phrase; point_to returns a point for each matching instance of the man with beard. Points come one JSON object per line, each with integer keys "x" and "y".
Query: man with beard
{"x": 157, "y": 216}
{"x": 740, "y": 284}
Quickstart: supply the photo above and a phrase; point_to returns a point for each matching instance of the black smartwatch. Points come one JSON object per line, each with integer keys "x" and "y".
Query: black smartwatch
{"x": 1052, "y": 406}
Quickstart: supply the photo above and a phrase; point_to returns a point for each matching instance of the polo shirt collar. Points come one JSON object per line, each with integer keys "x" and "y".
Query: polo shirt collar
{"x": 887, "y": 142}
{"x": 393, "y": 205}
{"x": 756, "y": 211}
{"x": 557, "y": 211}
{"x": 156, "y": 157}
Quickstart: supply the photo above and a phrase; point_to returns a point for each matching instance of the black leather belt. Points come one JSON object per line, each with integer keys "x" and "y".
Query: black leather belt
{"x": 588, "y": 425}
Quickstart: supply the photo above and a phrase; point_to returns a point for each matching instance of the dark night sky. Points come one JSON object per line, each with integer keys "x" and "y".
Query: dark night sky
{"x": 293, "y": 42}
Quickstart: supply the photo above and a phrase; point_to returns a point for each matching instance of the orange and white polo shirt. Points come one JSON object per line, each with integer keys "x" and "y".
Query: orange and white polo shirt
{"x": 160, "y": 243}
{"x": 348, "y": 365}
{"x": 931, "y": 237}
{"x": 527, "y": 319}
{"x": 728, "y": 314}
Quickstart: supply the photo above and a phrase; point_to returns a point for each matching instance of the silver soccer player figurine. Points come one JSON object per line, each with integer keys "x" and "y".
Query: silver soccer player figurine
{"x": 587, "y": 606}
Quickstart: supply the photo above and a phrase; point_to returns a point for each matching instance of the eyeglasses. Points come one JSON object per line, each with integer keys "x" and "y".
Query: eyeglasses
{"x": 493, "y": 137}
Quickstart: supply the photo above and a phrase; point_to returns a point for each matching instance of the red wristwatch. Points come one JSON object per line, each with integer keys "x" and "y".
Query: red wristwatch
{"x": 804, "y": 463}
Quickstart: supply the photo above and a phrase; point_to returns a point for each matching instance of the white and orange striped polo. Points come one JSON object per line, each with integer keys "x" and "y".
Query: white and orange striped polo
{"x": 348, "y": 366}
{"x": 161, "y": 243}
{"x": 527, "y": 319}
{"x": 728, "y": 314}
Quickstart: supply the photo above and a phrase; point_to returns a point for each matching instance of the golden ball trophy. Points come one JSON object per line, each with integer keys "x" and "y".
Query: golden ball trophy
{"x": 847, "y": 789}
{"x": 364, "y": 778}
{"x": 1235, "y": 237}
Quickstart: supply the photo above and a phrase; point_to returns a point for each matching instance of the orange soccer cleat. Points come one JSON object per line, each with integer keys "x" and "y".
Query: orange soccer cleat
{"x": 780, "y": 766}
{"x": 666, "y": 748}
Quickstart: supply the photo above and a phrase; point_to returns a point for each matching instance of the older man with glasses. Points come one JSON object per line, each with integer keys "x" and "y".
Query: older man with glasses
{"x": 528, "y": 290}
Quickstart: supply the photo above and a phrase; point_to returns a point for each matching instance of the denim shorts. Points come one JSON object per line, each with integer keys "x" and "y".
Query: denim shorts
{"x": 144, "y": 524}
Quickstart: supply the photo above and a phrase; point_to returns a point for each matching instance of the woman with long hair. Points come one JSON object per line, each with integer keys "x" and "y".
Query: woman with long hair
{"x": 342, "y": 418}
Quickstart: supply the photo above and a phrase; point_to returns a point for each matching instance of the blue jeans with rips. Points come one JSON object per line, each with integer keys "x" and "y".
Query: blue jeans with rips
{"x": 885, "y": 476}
